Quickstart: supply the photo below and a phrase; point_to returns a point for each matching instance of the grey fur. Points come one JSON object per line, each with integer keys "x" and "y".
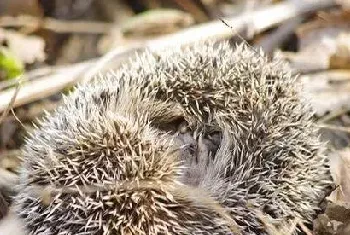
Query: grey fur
{"x": 220, "y": 120}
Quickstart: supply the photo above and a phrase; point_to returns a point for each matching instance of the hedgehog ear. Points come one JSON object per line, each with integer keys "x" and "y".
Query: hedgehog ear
{"x": 171, "y": 125}
{"x": 166, "y": 116}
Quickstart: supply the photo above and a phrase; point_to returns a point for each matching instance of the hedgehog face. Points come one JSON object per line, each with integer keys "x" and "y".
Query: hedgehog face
{"x": 187, "y": 141}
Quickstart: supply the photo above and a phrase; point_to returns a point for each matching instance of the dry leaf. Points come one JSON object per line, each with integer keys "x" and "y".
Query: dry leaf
{"x": 335, "y": 220}
{"x": 341, "y": 58}
{"x": 319, "y": 38}
{"x": 17, "y": 7}
{"x": 340, "y": 170}
{"x": 327, "y": 91}
{"x": 28, "y": 49}
{"x": 328, "y": 24}
{"x": 344, "y": 3}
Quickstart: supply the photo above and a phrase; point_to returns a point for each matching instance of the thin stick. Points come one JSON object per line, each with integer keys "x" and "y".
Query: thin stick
{"x": 11, "y": 103}
{"x": 58, "y": 26}
{"x": 43, "y": 87}
{"x": 18, "y": 120}
{"x": 332, "y": 115}
{"x": 335, "y": 128}
{"x": 43, "y": 72}
{"x": 260, "y": 20}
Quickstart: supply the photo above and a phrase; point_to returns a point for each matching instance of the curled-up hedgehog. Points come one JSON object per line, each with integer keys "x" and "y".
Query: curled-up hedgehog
{"x": 192, "y": 140}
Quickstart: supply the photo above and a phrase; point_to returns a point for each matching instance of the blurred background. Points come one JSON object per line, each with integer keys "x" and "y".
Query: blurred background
{"x": 47, "y": 46}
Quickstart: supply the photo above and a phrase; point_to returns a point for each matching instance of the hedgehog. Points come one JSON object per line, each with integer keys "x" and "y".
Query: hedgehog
{"x": 189, "y": 140}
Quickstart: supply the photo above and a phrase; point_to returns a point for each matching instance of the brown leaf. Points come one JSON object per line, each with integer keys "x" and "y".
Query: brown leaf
{"x": 341, "y": 58}
{"x": 340, "y": 170}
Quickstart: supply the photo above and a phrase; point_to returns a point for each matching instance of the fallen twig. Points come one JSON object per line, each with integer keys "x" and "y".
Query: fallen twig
{"x": 58, "y": 26}
{"x": 10, "y": 104}
{"x": 332, "y": 115}
{"x": 260, "y": 20}
{"x": 335, "y": 128}
{"x": 43, "y": 87}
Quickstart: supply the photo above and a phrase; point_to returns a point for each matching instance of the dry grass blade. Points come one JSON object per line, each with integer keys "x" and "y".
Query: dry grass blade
{"x": 11, "y": 103}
